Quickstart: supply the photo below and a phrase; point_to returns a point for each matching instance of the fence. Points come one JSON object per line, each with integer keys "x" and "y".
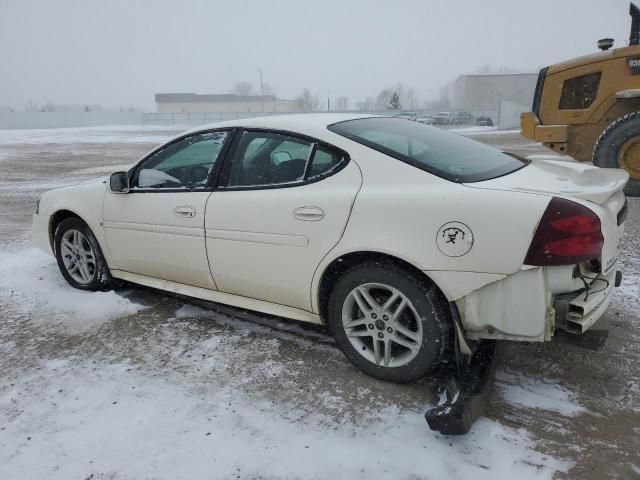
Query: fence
{"x": 212, "y": 117}
{"x": 16, "y": 120}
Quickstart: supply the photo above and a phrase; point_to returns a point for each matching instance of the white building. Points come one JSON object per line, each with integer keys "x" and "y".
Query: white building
{"x": 485, "y": 92}
{"x": 220, "y": 103}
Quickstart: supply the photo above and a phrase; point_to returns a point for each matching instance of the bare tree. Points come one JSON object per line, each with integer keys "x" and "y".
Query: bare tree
{"x": 384, "y": 97}
{"x": 306, "y": 102}
{"x": 394, "y": 102}
{"x": 242, "y": 88}
{"x": 407, "y": 97}
{"x": 411, "y": 98}
{"x": 342, "y": 103}
{"x": 401, "y": 90}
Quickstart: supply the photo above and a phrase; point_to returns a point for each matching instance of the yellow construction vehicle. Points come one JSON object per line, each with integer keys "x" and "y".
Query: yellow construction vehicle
{"x": 589, "y": 107}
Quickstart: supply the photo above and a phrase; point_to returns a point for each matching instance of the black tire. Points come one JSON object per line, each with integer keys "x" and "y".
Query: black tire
{"x": 100, "y": 278}
{"x": 430, "y": 305}
{"x": 607, "y": 149}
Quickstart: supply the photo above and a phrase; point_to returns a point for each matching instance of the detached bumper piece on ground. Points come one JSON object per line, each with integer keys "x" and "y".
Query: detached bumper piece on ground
{"x": 468, "y": 395}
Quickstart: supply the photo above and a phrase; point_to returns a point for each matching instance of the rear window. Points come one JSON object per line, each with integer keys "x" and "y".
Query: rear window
{"x": 437, "y": 151}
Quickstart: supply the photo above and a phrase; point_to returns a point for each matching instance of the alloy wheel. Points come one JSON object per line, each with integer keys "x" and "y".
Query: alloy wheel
{"x": 382, "y": 325}
{"x": 78, "y": 256}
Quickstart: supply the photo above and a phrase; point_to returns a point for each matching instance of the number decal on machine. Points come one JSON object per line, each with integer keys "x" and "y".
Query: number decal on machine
{"x": 633, "y": 64}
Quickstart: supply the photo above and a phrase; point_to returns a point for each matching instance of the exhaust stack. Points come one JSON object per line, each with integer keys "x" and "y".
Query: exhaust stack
{"x": 634, "y": 37}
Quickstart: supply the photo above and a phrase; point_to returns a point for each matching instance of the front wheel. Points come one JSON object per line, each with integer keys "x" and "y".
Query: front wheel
{"x": 619, "y": 146}
{"x": 79, "y": 256}
{"x": 388, "y": 322}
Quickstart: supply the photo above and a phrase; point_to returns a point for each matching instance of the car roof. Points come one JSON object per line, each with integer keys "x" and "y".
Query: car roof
{"x": 312, "y": 124}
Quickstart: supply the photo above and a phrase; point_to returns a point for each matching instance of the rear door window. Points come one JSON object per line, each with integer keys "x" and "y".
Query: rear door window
{"x": 265, "y": 159}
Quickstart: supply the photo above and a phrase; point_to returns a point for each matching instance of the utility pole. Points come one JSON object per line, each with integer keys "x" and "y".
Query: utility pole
{"x": 328, "y": 101}
{"x": 261, "y": 89}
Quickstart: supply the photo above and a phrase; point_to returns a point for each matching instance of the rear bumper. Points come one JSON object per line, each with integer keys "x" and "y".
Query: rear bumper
{"x": 40, "y": 232}
{"x": 530, "y": 305}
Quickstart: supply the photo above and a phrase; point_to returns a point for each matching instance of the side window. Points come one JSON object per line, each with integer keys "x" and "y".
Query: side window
{"x": 264, "y": 158}
{"x": 324, "y": 161}
{"x": 580, "y": 92}
{"x": 184, "y": 164}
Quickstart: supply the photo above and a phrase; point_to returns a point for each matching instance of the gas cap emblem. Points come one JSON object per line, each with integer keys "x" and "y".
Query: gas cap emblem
{"x": 455, "y": 239}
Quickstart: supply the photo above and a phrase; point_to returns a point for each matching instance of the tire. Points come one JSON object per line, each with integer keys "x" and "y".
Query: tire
{"x": 422, "y": 327}
{"x": 612, "y": 142}
{"x": 79, "y": 256}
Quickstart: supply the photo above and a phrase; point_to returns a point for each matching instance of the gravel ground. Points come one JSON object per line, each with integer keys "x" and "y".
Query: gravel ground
{"x": 138, "y": 384}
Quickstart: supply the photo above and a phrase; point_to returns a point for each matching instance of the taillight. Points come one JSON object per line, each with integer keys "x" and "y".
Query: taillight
{"x": 568, "y": 233}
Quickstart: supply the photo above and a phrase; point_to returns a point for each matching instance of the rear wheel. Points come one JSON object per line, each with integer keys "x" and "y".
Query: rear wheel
{"x": 619, "y": 146}
{"x": 388, "y": 322}
{"x": 79, "y": 256}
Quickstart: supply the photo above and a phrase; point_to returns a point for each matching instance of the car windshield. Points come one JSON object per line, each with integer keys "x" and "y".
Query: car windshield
{"x": 442, "y": 153}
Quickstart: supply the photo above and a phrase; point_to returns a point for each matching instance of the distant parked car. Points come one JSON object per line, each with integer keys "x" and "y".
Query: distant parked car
{"x": 428, "y": 120}
{"x": 408, "y": 115}
{"x": 404, "y": 238}
{"x": 462, "y": 118}
{"x": 442, "y": 118}
{"x": 484, "y": 121}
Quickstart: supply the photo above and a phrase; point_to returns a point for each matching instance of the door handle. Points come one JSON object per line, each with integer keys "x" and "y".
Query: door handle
{"x": 185, "y": 211}
{"x": 308, "y": 214}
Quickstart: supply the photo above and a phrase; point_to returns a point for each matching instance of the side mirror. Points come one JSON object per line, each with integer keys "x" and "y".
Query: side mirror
{"x": 119, "y": 182}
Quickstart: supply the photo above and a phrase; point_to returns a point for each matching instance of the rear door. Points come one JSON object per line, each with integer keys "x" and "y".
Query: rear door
{"x": 282, "y": 203}
{"x": 157, "y": 228}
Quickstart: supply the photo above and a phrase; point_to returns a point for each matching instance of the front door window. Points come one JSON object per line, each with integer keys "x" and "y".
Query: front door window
{"x": 185, "y": 164}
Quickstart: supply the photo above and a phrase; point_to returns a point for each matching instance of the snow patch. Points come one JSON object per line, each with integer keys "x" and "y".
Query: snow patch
{"x": 107, "y": 134}
{"x": 629, "y": 288}
{"x": 73, "y": 421}
{"x": 536, "y": 393}
{"x": 31, "y": 284}
{"x": 482, "y": 131}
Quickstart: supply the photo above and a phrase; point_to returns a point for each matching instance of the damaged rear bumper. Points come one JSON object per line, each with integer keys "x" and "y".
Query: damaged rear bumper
{"x": 532, "y": 304}
{"x": 468, "y": 396}
{"x": 576, "y": 312}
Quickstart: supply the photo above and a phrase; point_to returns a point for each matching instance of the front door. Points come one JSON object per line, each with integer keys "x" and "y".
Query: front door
{"x": 157, "y": 229}
{"x": 282, "y": 204}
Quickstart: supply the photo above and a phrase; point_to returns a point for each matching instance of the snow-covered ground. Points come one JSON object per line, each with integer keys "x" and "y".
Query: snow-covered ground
{"x": 136, "y": 384}
{"x": 73, "y": 135}
{"x": 71, "y": 416}
{"x": 480, "y": 130}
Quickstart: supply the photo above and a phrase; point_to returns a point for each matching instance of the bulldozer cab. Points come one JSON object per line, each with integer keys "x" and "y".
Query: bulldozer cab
{"x": 579, "y": 103}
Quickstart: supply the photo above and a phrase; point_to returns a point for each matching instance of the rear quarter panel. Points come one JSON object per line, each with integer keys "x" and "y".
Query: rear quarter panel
{"x": 400, "y": 209}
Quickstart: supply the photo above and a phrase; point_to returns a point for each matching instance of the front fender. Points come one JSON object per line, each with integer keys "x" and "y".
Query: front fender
{"x": 84, "y": 201}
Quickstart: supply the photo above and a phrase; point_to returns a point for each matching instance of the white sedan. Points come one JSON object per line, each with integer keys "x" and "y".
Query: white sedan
{"x": 405, "y": 239}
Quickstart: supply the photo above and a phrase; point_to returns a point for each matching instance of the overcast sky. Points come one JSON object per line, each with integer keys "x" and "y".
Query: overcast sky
{"x": 119, "y": 53}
